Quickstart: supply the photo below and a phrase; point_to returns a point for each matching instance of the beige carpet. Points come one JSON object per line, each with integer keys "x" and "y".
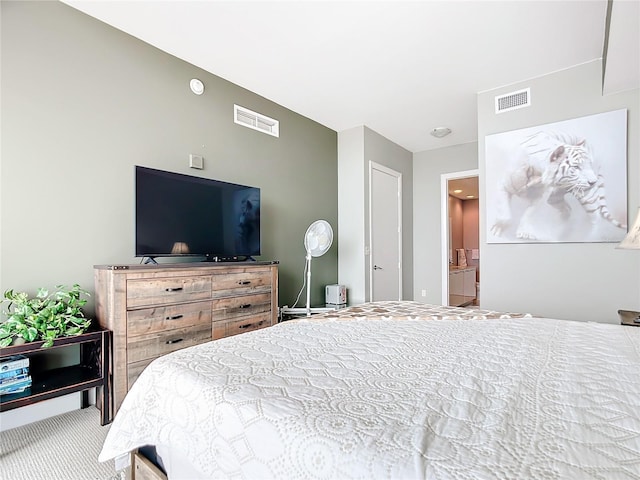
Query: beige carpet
{"x": 64, "y": 447}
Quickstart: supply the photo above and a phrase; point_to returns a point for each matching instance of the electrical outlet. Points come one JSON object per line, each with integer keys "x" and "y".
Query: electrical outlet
{"x": 424, "y": 293}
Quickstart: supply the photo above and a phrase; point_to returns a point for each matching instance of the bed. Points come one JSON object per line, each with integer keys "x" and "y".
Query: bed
{"x": 502, "y": 396}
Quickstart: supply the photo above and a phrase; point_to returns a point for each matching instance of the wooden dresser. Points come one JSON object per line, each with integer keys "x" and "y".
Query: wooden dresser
{"x": 156, "y": 309}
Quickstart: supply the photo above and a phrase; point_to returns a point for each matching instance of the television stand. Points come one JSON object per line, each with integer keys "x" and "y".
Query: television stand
{"x": 150, "y": 260}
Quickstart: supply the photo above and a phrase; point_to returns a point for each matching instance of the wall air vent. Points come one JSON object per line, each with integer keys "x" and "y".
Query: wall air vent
{"x": 247, "y": 118}
{"x": 513, "y": 100}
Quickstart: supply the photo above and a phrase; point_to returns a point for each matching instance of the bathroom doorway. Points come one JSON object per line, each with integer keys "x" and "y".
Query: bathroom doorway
{"x": 460, "y": 239}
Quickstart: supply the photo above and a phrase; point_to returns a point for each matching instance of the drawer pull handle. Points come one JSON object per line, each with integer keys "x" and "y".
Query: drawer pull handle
{"x": 247, "y": 325}
{"x": 174, "y": 289}
{"x": 244, "y": 282}
{"x": 171, "y": 342}
{"x": 174, "y": 317}
{"x": 246, "y": 305}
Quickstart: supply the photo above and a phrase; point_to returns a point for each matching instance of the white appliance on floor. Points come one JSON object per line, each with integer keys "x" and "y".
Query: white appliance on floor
{"x": 335, "y": 295}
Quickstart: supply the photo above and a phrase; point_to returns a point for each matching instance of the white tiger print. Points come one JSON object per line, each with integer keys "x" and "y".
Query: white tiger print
{"x": 575, "y": 175}
{"x": 552, "y": 165}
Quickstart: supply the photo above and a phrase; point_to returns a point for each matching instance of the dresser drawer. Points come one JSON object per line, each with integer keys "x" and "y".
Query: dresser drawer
{"x": 135, "y": 369}
{"x": 159, "y": 319}
{"x": 162, "y": 291}
{"x": 234, "y": 307}
{"x": 228, "y": 284}
{"x": 146, "y": 347}
{"x": 227, "y": 328}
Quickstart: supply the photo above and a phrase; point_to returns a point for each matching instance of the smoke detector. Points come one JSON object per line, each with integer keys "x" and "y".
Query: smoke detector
{"x": 440, "y": 132}
{"x": 196, "y": 86}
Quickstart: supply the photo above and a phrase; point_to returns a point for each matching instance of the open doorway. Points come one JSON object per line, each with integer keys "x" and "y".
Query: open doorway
{"x": 460, "y": 239}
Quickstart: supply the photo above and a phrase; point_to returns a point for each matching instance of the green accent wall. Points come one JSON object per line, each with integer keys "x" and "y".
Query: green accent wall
{"x": 82, "y": 103}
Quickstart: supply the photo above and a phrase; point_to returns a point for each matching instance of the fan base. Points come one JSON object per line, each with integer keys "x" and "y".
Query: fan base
{"x": 303, "y": 311}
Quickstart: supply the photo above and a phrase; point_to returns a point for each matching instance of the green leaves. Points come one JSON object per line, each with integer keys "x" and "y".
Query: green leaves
{"x": 44, "y": 317}
{"x": 30, "y": 334}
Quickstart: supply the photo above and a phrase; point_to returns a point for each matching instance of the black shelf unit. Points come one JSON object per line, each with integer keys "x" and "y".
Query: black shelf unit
{"x": 91, "y": 372}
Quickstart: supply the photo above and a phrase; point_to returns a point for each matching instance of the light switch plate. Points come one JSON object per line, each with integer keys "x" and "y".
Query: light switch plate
{"x": 196, "y": 161}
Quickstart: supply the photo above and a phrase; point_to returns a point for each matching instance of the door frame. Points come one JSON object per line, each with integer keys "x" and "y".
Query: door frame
{"x": 376, "y": 166}
{"x": 444, "y": 224}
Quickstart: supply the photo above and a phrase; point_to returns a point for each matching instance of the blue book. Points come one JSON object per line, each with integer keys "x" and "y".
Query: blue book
{"x": 15, "y": 387}
{"x": 9, "y": 381}
{"x": 11, "y": 363}
{"x": 9, "y": 375}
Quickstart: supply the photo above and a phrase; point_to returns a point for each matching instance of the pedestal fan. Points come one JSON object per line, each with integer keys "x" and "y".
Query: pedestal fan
{"x": 317, "y": 241}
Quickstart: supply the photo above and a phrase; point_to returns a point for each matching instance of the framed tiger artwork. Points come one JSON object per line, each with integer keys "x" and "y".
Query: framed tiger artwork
{"x": 559, "y": 182}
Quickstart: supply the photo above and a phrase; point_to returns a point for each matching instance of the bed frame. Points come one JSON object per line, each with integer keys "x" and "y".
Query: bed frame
{"x": 144, "y": 469}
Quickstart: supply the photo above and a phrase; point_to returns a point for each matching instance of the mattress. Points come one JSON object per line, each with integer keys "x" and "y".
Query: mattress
{"x": 379, "y": 398}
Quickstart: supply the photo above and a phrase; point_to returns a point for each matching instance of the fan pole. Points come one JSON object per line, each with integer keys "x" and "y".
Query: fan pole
{"x": 308, "y": 284}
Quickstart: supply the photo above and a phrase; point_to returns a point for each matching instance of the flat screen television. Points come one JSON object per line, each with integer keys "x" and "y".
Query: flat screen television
{"x": 179, "y": 215}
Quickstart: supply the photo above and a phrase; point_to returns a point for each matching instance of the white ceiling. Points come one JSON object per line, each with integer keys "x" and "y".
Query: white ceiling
{"x": 399, "y": 67}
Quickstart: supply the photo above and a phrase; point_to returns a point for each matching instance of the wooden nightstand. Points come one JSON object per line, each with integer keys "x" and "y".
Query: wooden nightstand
{"x": 629, "y": 317}
{"x": 90, "y": 372}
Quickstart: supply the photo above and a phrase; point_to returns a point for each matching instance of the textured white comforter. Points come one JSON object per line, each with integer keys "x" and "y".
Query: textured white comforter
{"x": 441, "y": 399}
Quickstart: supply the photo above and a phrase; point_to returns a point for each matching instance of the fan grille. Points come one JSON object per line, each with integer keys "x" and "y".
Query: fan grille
{"x": 318, "y": 238}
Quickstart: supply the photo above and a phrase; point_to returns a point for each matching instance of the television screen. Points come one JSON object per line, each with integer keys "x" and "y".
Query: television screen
{"x": 180, "y": 214}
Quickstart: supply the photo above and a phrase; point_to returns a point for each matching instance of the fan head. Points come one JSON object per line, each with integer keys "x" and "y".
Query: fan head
{"x": 318, "y": 238}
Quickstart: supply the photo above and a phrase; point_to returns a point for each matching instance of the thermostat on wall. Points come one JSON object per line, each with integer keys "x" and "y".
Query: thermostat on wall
{"x": 196, "y": 161}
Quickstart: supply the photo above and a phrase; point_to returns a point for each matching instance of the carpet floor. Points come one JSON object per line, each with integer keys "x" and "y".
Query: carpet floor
{"x": 64, "y": 447}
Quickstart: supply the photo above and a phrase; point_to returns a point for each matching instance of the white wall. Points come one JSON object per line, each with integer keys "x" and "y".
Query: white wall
{"x": 351, "y": 227}
{"x": 380, "y": 150}
{"x": 579, "y": 281}
{"x": 356, "y": 148}
{"x": 428, "y": 166}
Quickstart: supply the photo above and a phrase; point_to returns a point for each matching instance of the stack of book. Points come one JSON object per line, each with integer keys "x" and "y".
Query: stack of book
{"x": 14, "y": 375}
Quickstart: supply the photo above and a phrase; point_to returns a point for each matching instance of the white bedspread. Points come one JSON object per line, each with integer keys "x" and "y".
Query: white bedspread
{"x": 337, "y": 399}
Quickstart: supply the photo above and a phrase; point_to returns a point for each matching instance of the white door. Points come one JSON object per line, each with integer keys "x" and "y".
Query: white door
{"x": 385, "y": 217}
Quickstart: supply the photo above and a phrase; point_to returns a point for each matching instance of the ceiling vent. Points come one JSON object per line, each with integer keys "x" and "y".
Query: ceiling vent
{"x": 513, "y": 100}
{"x": 256, "y": 121}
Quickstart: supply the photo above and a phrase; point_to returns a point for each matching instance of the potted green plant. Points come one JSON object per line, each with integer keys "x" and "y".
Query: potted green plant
{"x": 45, "y": 317}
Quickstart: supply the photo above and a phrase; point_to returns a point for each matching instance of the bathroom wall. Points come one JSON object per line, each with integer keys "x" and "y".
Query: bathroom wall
{"x": 456, "y": 226}
{"x": 471, "y": 232}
